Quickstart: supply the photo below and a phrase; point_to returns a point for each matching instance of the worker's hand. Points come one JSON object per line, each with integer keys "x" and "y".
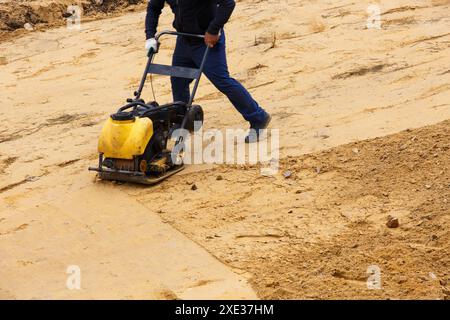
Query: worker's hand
{"x": 211, "y": 39}
{"x": 151, "y": 44}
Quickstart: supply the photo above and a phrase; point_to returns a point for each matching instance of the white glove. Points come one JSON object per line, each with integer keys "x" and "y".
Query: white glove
{"x": 151, "y": 44}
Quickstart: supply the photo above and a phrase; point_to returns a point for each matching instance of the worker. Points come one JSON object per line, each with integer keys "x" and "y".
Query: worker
{"x": 205, "y": 17}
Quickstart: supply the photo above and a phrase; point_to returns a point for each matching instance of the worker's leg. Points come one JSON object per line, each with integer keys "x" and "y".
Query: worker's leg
{"x": 181, "y": 58}
{"x": 216, "y": 70}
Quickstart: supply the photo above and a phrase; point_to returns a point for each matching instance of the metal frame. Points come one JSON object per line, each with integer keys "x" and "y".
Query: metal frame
{"x": 173, "y": 71}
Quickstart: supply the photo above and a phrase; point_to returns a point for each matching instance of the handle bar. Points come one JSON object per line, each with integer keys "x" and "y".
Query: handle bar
{"x": 137, "y": 94}
{"x": 175, "y": 33}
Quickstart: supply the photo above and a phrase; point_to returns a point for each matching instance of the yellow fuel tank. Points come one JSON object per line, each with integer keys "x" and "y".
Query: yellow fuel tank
{"x": 125, "y": 139}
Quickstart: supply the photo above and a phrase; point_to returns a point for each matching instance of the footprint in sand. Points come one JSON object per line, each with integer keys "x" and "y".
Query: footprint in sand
{"x": 5, "y": 163}
{"x": 87, "y": 55}
{"x": 316, "y": 25}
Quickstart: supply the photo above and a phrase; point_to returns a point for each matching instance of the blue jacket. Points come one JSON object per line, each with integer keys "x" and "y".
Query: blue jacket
{"x": 191, "y": 16}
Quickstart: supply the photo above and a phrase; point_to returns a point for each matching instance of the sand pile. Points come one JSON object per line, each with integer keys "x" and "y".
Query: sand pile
{"x": 324, "y": 226}
{"x": 17, "y": 15}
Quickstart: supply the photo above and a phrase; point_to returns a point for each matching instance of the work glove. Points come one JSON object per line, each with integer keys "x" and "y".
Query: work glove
{"x": 151, "y": 45}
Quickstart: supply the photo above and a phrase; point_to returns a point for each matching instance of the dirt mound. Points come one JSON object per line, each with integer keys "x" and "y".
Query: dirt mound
{"x": 14, "y": 15}
{"x": 325, "y": 226}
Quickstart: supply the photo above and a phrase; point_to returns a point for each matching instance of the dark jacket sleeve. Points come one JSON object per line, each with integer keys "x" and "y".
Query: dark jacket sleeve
{"x": 224, "y": 10}
{"x": 154, "y": 9}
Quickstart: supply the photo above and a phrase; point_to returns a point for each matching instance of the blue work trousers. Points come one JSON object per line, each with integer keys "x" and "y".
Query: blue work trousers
{"x": 190, "y": 53}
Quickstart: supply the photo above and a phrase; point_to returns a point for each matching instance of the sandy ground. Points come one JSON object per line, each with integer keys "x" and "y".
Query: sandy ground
{"x": 327, "y": 80}
{"x": 19, "y": 16}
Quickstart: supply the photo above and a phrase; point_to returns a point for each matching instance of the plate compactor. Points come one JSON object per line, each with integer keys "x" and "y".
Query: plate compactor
{"x": 133, "y": 144}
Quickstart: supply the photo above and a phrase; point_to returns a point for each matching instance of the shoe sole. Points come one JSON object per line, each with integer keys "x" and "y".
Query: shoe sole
{"x": 262, "y": 128}
{"x": 267, "y": 123}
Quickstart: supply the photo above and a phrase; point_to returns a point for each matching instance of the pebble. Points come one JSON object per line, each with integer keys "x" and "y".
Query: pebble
{"x": 194, "y": 187}
{"x": 402, "y": 279}
{"x": 219, "y": 178}
{"x": 287, "y": 174}
{"x": 28, "y": 26}
{"x": 392, "y": 222}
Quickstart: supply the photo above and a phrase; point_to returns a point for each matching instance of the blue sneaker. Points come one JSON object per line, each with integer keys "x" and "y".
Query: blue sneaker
{"x": 257, "y": 129}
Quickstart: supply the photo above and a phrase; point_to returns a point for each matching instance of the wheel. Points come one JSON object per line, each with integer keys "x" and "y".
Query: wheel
{"x": 194, "y": 118}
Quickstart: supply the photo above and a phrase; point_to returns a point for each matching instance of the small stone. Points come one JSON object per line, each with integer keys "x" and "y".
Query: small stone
{"x": 290, "y": 211}
{"x": 427, "y": 186}
{"x": 219, "y": 178}
{"x": 392, "y": 222}
{"x": 402, "y": 279}
{"x": 423, "y": 278}
{"x": 31, "y": 178}
{"x": 194, "y": 187}
{"x": 28, "y": 26}
{"x": 287, "y": 174}
{"x": 355, "y": 150}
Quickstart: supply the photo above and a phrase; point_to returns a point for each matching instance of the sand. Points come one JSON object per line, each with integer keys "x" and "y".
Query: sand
{"x": 19, "y": 16}
{"x": 328, "y": 81}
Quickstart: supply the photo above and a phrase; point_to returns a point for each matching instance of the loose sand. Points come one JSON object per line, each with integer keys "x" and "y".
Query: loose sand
{"x": 328, "y": 81}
